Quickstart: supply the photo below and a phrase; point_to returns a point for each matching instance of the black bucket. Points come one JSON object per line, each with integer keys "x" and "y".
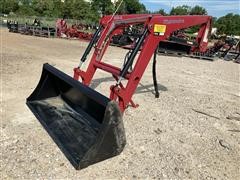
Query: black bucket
{"x": 86, "y": 125}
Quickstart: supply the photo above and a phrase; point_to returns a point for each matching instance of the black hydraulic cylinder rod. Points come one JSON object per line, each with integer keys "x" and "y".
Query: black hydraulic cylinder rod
{"x": 154, "y": 74}
{"x": 133, "y": 54}
{"x": 90, "y": 45}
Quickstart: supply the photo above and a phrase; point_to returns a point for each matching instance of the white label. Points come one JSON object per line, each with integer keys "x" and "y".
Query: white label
{"x": 205, "y": 38}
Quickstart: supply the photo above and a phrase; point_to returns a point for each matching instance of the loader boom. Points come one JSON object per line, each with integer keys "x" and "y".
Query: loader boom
{"x": 157, "y": 28}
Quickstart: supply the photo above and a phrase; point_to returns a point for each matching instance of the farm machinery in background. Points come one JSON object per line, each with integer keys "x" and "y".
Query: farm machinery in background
{"x": 127, "y": 36}
{"x": 75, "y": 31}
{"x": 180, "y": 43}
{"x": 61, "y": 30}
{"x": 86, "y": 125}
{"x": 177, "y": 44}
{"x": 230, "y": 51}
{"x": 34, "y": 29}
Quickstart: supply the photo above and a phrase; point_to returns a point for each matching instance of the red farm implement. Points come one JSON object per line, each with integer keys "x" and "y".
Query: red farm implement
{"x": 86, "y": 125}
{"x": 80, "y": 31}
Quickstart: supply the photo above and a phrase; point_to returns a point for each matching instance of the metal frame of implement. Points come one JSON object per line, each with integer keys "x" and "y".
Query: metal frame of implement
{"x": 157, "y": 28}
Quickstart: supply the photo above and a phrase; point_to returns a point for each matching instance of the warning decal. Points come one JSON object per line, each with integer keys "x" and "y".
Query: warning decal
{"x": 160, "y": 29}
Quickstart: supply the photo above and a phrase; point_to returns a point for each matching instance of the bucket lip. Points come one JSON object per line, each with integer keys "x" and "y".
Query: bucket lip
{"x": 91, "y": 93}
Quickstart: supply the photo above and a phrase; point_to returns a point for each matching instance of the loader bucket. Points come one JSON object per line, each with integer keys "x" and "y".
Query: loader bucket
{"x": 86, "y": 125}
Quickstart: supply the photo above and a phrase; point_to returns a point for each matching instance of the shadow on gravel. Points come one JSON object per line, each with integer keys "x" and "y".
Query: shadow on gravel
{"x": 142, "y": 88}
{"x": 149, "y": 88}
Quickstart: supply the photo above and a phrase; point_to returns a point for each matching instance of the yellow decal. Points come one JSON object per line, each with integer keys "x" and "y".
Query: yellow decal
{"x": 161, "y": 29}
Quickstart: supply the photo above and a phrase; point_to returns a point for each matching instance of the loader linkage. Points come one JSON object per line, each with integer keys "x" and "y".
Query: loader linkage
{"x": 157, "y": 28}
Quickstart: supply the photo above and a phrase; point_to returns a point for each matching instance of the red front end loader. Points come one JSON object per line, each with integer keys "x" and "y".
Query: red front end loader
{"x": 86, "y": 125}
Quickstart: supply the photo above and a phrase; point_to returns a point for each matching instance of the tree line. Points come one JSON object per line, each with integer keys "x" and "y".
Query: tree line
{"x": 92, "y": 10}
{"x": 72, "y": 9}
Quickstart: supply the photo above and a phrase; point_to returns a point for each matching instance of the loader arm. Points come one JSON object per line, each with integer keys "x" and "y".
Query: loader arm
{"x": 202, "y": 37}
{"x": 157, "y": 28}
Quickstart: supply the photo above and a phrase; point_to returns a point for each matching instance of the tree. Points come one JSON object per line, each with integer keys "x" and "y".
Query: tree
{"x": 79, "y": 9}
{"x": 198, "y": 10}
{"x": 103, "y": 7}
{"x": 7, "y": 6}
{"x": 214, "y": 20}
{"x": 49, "y": 8}
{"x": 180, "y": 10}
{"x": 55, "y": 9}
{"x": 131, "y": 7}
{"x": 39, "y": 6}
{"x": 229, "y": 24}
{"x": 25, "y": 8}
{"x": 161, "y": 11}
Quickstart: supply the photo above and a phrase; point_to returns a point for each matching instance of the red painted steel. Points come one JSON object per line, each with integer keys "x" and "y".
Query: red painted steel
{"x": 112, "y": 25}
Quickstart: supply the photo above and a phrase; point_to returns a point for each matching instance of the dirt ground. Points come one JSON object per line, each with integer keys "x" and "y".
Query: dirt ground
{"x": 167, "y": 138}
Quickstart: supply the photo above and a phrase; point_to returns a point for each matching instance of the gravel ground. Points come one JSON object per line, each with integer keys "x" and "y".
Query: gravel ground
{"x": 167, "y": 138}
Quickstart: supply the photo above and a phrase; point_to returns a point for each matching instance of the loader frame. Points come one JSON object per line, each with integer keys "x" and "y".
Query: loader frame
{"x": 157, "y": 28}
